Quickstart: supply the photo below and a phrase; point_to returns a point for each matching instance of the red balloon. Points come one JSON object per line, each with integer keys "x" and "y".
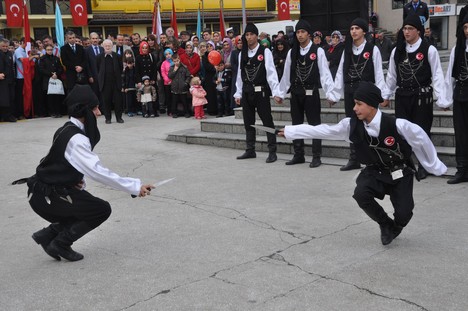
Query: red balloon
{"x": 214, "y": 57}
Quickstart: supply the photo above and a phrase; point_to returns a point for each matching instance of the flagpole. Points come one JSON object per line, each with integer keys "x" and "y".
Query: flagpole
{"x": 203, "y": 15}
{"x": 244, "y": 17}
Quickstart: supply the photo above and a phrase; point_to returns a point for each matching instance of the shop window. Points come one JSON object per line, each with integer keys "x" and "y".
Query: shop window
{"x": 398, "y": 4}
{"x": 96, "y": 29}
{"x": 40, "y": 32}
{"x": 111, "y": 30}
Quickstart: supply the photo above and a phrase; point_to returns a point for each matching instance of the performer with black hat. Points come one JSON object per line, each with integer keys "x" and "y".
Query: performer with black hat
{"x": 306, "y": 68}
{"x": 256, "y": 81}
{"x": 361, "y": 61}
{"x": 414, "y": 72}
{"x": 457, "y": 90}
{"x": 384, "y": 144}
{"x": 57, "y": 192}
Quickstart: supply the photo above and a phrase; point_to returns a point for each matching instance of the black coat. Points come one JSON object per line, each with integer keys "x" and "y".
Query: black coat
{"x": 118, "y": 67}
{"x": 47, "y": 65}
{"x": 71, "y": 59}
{"x": 422, "y": 10}
{"x": 91, "y": 66}
{"x": 4, "y": 89}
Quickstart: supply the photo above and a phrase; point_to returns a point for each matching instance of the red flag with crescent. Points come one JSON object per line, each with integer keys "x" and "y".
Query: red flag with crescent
{"x": 174, "y": 21}
{"x": 28, "y": 74}
{"x": 79, "y": 12}
{"x": 283, "y": 10}
{"x": 14, "y": 13}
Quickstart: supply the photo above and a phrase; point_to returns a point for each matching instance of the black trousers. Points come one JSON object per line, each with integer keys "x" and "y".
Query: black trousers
{"x": 85, "y": 208}
{"x": 372, "y": 183}
{"x": 415, "y": 109}
{"x": 460, "y": 124}
{"x": 179, "y": 98}
{"x": 19, "y": 104}
{"x": 260, "y": 102}
{"x": 312, "y": 107}
{"x": 111, "y": 94}
{"x": 349, "y": 105}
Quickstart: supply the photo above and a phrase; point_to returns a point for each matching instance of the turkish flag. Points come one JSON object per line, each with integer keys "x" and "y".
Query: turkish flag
{"x": 79, "y": 12}
{"x": 174, "y": 21}
{"x": 283, "y": 10}
{"x": 14, "y": 13}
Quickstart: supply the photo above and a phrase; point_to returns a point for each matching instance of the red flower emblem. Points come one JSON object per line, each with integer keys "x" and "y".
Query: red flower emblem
{"x": 366, "y": 55}
{"x": 260, "y": 57}
{"x": 313, "y": 56}
{"x": 389, "y": 141}
{"x": 420, "y": 56}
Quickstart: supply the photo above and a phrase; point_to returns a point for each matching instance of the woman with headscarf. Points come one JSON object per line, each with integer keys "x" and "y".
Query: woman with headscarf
{"x": 50, "y": 67}
{"x": 145, "y": 64}
{"x": 234, "y": 67}
{"x": 226, "y": 52}
{"x": 190, "y": 59}
{"x": 334, "y": 52}
{"x": 208, "y": 84}
{"x": 196, "y": 41}
{"x": 165, "y": 66}
{"x": 280, "y": 52}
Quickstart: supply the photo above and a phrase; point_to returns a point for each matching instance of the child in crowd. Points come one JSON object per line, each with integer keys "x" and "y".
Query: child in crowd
{"x": 198, "y": 98}
{"x": 129, "y": 86}
{"x": 180, "y": 76}
{"x": 165, "y": 66}
{"x": 223, "y": 82}
{"x": 147, "y": 97}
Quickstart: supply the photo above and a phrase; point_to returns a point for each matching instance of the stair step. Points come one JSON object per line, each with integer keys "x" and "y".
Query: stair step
{"x": 332, "y": 149}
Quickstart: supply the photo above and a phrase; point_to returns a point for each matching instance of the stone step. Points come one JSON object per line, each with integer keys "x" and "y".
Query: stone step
{"x": 330, "y": 149}
{"x": 441, "y": 136}
{"x": 334, "y": 115}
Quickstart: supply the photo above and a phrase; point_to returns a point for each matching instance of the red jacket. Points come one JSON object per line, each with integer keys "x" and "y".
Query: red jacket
{"x": 192, "y": 62}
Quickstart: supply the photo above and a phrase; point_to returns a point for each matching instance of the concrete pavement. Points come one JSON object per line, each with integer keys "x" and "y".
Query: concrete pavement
{"x": 227, "y": 234}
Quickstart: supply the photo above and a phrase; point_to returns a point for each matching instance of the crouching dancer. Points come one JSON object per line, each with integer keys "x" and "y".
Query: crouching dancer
{"x": 384, "y": 144}
{"x": 57, "y": 192}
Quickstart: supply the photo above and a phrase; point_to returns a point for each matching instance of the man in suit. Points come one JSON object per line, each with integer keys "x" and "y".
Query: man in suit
{"x": 74, "y": 60}
{"x": 92, "y": 53}
{"x": 416, "y": 7}
{"x": 120, "y": 46}
{"x": 109, "y": 66}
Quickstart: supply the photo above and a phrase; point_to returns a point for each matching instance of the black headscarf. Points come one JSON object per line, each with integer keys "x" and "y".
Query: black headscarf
{"x": 250, "y": 27}
{"x": 361, "y": 23}
{"x": 80, "y": 102}
{"x": 460, "y": 47}
{"x": 301, "y": 24}
{"x": 368, "y": 93}
{"x": 411, "y": 20}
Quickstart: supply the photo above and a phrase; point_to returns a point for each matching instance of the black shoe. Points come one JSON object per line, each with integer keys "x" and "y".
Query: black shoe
{"x": 219, "y": 116}
{"x": 296, "y": 160}
{"x": 162, "y": 111}
{"x": 396, "y": 230}
{"x": 120, "y": 121}
{"x": 66, "y": 252}
{"x": 44, "y": 237}
{"x": 271, "y": 157}
{"x": 316, "y": 162}
{"x": 187, "y": 115}
{"x": 458, "y": 178}
{"x": 351, "y": 165}
{"x": 422, "y": 173}
{"x": 175, "y": 116}
{"x": 386, "y": 233}
{"x": 247, "y": 155}
{"x": 108, "y": 121}
{"x": 11, "y": 119}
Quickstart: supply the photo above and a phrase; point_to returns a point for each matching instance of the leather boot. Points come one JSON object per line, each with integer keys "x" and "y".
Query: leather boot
{"x": 298, "y": 157}
{"x": 61, "y": 245}
{"x": 422, "y": 173}
{"x": 386, "y": 232}
{"x": 250, "y": 146}
{"x": 460, "y": 176}
{"x": 271, "y": 157}
{"x": 316, "y": 162}
{"x": 353, "y": 163}
{"x": 44, "y": 236}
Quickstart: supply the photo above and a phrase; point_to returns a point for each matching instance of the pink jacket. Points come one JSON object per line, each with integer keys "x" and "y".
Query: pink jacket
{"x": 198, "y": 95}
{"x": 164, "y": 71}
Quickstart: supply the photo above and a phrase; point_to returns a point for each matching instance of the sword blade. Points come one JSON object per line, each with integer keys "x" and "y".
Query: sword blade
{"x": 163, "y": 182}
{"x": 265, "y": 128}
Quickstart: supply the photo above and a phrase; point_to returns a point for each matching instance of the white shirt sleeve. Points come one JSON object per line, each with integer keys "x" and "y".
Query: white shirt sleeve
{"x": 339, "y": 79}
{"x": 239, "y": 83}
{"x": 438, "y": 81}
{"x": 271, "y": 73}
{"x": 449, "y": 80}
{"x": 378, "y": 71}
{"x": 79, "y": 154}
{"x": 422, "y": 146}
{"x": 391, "y": 84}
{"x": 326, "y": 78}
{"x": 285, "y": 82}
{"x": 339, "y": 131}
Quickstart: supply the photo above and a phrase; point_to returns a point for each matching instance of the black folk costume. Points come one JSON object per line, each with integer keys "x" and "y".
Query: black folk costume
{"x": 56, "y": 192}
{"x": 358, "y": 63}
{"x": 414, "y": 73}
{"x": 305, "y": 70}
{"x": 385, "y": 146}
{"x": 457, "y": 90}
{"x": 256, "y": 81}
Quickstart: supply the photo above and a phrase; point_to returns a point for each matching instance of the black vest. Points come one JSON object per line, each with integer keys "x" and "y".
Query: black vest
{"x": 360, "y": 67}
{"x": 54, "y": 169}
{"x": 414, "y": 71}
{"x": 460, "y": 93}
{"x": 304, "y": 69}
{"x": 254, "y": 70}
{"x": 386, "y": 151}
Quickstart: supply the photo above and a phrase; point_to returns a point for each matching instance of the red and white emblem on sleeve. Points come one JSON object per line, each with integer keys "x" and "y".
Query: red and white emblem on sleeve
{"x": 389, "y": 141}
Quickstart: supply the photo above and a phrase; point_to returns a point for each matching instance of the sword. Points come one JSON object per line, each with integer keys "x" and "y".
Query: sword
{"x": 162, "y": 182}
{"x": 266, "y": 129}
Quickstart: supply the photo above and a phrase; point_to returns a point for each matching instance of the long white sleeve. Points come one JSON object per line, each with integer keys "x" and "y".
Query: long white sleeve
{"x": 326, "y": 78}
{"x": 438, "y": 80}
{"x": 422, "y": 146}
{"x": 378, "y": 71}
{"x": 449, "y": 80}
{"x": 391, "y": 83}
{"x": 285, "y": 82}
{"x": 339, "y": 131}
{"x": 271, "y": 73}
